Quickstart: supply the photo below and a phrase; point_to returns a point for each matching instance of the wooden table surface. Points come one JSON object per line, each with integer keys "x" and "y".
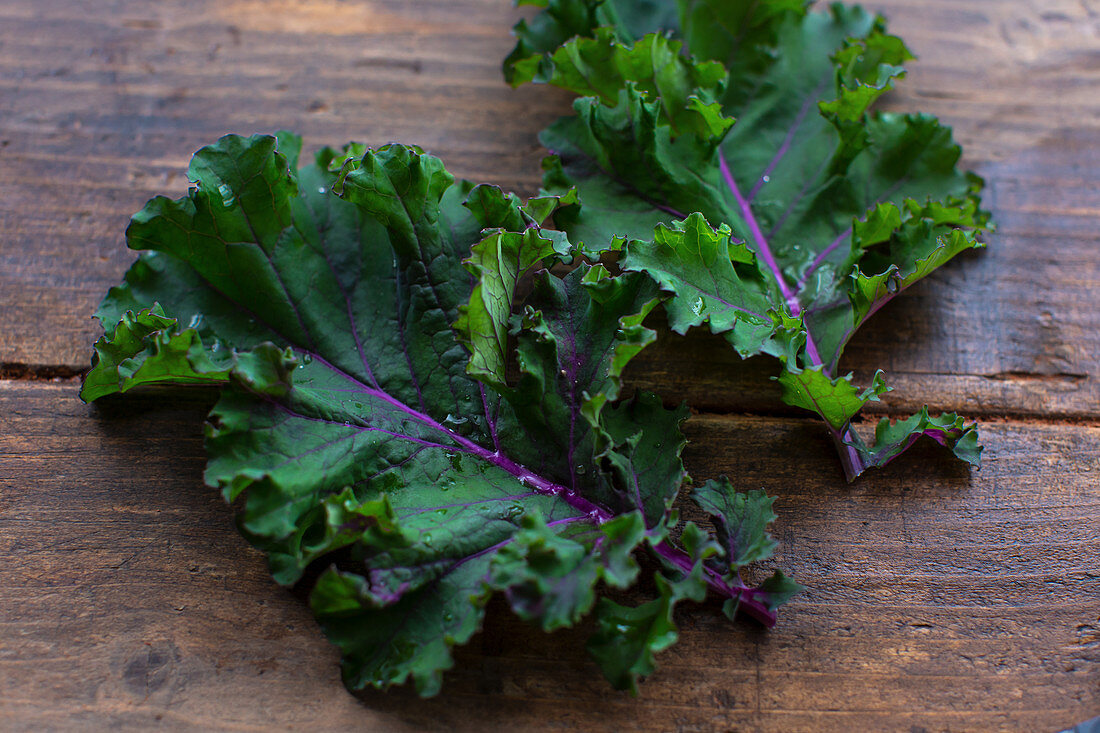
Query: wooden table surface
{"x": 939, "y": 599}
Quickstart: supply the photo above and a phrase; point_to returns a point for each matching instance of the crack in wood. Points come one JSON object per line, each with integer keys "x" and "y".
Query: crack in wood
{"x": 1022, "y": 376}
{"x": 18, "y": 371}
{"x": 872, "y": 413}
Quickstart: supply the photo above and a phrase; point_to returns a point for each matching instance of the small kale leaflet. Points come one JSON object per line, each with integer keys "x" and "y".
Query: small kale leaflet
{"x": 784, "y": 229}
{"x": 358, "y": 312}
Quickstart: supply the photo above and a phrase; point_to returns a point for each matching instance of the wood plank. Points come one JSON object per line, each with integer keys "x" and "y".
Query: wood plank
{"x": 101, "y": 110}
{"x": 938, "y": 600}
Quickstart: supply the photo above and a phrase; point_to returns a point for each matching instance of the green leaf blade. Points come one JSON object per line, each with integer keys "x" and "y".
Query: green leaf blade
{"x": 352, "y": 428}
{"x": 843, "y": 206}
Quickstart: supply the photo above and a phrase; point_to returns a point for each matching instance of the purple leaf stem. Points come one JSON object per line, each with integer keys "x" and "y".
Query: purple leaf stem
{"x": 677, "y": 557}
{"x": 750, "y": 604}
{"x": 490, "y": 420}
{"x": 850, "y": 459}
{"x": 843, "y": 438}
{"x": 852, "y": 329}
{"x": 847, "y": 234}
{"x": 849, "y": 456}
{"x": 670, "y": 210}
{"x": 786, "y": 146}
{"x": 765, "y": 252}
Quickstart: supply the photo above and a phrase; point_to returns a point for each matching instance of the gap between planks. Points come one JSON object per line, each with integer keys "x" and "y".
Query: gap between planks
{"x": 62, "y": 374}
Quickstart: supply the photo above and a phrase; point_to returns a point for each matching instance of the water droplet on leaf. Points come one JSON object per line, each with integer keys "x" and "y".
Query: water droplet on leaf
{"x": 228, "y": 199}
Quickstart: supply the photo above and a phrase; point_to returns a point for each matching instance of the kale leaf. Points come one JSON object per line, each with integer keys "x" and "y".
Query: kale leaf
{"x": 785, "y": 229}
{"x": 359, "y": 314}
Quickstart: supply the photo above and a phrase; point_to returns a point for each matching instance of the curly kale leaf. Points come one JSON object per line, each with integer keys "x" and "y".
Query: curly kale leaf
{"x": 785, "y": 230}
{"x": 358, "y": 313}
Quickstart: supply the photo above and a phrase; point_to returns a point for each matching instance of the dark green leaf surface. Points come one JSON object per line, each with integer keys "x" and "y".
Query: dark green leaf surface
{"x": 740, "y": 520}
{"x": 838, "y": 207}
{"x": 628, "y": 639}
{"x": 360, "y": 431}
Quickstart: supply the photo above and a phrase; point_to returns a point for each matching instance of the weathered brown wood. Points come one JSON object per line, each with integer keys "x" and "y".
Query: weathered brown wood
{"x": 102, "y": 107}
{"x": 940, "y": 601}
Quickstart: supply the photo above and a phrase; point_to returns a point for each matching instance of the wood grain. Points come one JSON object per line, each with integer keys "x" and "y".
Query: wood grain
{"x": 100, "y": 110}
{"x": 940, "y": 601}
